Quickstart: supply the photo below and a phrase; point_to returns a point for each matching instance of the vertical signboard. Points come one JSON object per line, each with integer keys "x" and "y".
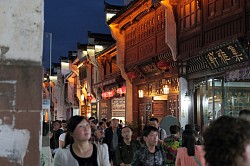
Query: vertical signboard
{"x": 104, "y": 109}
{"x": 118, "y": 107}
{"x": 148, "y": 111}
{"x": 94, "y": 110}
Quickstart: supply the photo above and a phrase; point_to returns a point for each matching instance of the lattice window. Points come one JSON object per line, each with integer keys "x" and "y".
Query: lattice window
{"x": 189, "y": 15}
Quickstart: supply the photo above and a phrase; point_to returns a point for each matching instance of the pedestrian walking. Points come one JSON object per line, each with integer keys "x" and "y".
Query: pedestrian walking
{"x": 125, "y": 150}
{"x": 227, "y": 142}
{"x": 78, "y": 150}
{"x": 171, "y": 143}
{"x": 150, "y": 154}
{"x": 162, "y": 133}
{"x": 189, "y": 154}
{"x": 112, "y": 138}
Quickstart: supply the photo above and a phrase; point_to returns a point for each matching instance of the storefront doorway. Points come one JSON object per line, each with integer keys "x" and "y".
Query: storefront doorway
{"x": 214, "y": 97}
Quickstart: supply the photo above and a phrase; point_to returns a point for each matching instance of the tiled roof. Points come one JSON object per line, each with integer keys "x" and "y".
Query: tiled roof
{"x": 109, "y": 7}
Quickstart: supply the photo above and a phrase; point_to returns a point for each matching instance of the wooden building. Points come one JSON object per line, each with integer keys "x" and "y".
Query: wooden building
{"x": 213, "y": 45}
{"x": 146, "y": 54}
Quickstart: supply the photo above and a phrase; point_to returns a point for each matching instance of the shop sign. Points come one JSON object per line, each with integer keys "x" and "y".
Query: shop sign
{"x": 225, "y": 55}
{"x": 118, "y": 107}
{"x": 104, "y": 109}
{"x": 94, "y": 110}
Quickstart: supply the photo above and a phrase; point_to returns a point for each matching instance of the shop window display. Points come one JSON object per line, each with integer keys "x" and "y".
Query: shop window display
{"x": 223, "y": 98}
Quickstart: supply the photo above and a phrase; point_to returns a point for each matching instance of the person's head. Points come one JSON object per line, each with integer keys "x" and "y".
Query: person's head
{"x": 127, "y": 132}
{"x": 114, "y": 123}
{"x": 188, "y": 141}
{"x": 79, "y": 128}
{"x": 189, "y": 127}
{"x": 93, "y": 121}
{"x": 245, "y": 114}
{"x": 227, "y": 142}
{"x": 150, "y": 135}
{"x": 101, "y": 124}
{"x": 104, "y": 120}
{"x": 108, "y": 123}
{"x": 174, "y": 129}
{"x": 56, "y": 125}
{"x": 197, "y": 128}
{"x": 154, "y": 122}
{"x": 64, "y": 124}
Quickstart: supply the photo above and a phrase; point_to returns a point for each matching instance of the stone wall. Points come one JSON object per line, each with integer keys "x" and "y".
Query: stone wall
{"x": 21, "y": 77}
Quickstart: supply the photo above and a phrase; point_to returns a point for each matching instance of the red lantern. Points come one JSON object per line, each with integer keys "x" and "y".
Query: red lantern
{"x": 110, "y": 94}
{"x": 89, "y": 97}
{"x": 163, "y": 65}
{"x": 131, "y": 75}
{"x": 124, "y": 89}
{"x": 119, "y": 91}
{"x": 104, "y": 94}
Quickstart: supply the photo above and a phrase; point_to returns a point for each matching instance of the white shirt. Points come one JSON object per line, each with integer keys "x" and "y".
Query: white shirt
{"x": 64, "y": 157}
{"x": 62, "y": 137}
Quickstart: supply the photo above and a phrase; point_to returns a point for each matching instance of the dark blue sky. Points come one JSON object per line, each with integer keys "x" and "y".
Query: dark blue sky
{"x": 69, "y": 22}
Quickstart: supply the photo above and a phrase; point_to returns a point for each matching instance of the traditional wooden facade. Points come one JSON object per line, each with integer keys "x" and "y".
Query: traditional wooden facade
{"x": 111, "y": 101}
{"x": 146, "y": 56}
{"x": 213, "y": 43}
{"x": 97, "y": 73}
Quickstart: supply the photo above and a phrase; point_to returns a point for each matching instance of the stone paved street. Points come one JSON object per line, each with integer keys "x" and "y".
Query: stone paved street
{"x": 46, "y": 158}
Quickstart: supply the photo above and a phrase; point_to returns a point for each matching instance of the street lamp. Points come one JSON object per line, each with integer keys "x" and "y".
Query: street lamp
{"x": 50, "y": 55}
{"x": 50, "y": 50}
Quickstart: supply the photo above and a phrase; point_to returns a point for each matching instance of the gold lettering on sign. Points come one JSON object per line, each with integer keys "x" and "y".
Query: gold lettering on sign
{"x": 223, "y": 56}
{"x": 213, "y": 59}
{"x": 238, "y": 57}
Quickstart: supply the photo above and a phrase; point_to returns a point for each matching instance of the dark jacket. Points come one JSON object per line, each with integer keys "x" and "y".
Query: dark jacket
{"x": 109, "y": 137}
{"x": 124, "y": 153}
{"x": 54, "y": 140}
{"x": 143, "y": 157}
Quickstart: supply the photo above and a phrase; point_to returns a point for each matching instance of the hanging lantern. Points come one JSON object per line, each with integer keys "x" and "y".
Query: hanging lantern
{"x": 89, "y": 97}
{"x": 124, "y": 89}
{"x": 110, "y": 94}
{"x": 119, "y": 91}
{"x": 165, "y": 89}
{"x": 131, "y": 75}
{"x": 140, "y": 93}
{"x": 163, "y": 65}
{"x": 104, "y": 94}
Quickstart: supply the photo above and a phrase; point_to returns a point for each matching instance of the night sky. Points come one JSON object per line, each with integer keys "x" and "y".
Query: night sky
{"x": 69, "y": 22}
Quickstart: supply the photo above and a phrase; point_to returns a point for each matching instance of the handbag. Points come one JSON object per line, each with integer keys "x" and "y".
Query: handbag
{"x": 197, "y": 161}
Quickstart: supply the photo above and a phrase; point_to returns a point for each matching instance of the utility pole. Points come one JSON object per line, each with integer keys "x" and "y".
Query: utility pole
{"x": 50, "y": 69}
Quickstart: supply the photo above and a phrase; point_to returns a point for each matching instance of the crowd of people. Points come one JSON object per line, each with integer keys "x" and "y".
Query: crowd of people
{"x": 86, "y": 142}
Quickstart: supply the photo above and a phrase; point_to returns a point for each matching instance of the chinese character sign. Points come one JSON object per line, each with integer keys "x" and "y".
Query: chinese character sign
{"x": 225, "y": 55}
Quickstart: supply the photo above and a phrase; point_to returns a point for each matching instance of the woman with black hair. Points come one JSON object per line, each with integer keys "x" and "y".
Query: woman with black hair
{"x": 78, "y": 150}
{"x": 189, "y": 154}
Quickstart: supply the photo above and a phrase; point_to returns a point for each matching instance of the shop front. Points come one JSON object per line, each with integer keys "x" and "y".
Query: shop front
{"x": 155, "y": 85}
{"x": 111, "y": 101}
{"x": 219, "y": 80}
{"x": 158, "y": 99}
